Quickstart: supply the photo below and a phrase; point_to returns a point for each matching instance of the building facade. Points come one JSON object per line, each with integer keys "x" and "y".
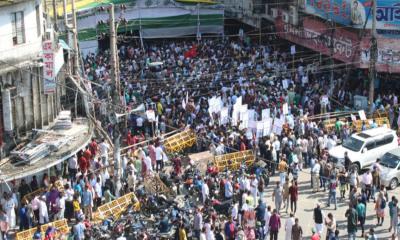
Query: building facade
{"x": 23, "y": 102}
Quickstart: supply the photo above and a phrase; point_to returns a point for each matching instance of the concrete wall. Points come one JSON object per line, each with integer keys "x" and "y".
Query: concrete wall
{"x": 33, "y": 42}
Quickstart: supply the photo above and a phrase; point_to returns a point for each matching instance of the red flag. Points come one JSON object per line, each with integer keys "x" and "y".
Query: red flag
{"x": 368, "y": 3}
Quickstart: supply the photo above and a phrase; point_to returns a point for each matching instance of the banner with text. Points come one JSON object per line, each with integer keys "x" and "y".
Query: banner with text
{"x": 49, "y": 83}
{"x": 356, "y": 14}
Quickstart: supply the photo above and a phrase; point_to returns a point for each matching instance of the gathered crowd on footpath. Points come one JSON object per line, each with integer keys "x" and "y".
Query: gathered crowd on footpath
{"x": 293, "y": 191}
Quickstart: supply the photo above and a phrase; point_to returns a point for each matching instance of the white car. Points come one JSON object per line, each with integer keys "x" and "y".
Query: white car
{"x": 365, "y": 147}
{"x": 390, "y": 168}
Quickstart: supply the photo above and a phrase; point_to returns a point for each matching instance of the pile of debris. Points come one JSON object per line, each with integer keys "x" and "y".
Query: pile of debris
{"x": 63, "y": 121}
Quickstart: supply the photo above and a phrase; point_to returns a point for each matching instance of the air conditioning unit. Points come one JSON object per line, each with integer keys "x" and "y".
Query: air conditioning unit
{"x": 285, "y": 17}
{"x": 293, "y": 15}
{"x": 274, "y": 12}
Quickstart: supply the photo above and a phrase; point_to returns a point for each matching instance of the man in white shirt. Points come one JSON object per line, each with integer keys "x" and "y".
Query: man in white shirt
{"x": 315, "y": 176}
{"x": 267, "y": 216}
{"x": 366, "y": 181}
{"x": 43, "y": 213}
{"x": 205, "y": 192}
{"x": 159, "y": 158}
{"x": 104, "y": 147}
{"x": 73, "y": 167}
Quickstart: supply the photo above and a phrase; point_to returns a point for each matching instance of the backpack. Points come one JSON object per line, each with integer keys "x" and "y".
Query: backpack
{"x": 383, "y": 203}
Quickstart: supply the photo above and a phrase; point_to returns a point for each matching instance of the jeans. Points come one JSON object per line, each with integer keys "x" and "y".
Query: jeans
{"x": 315, "y": 182}
{"x": 273, "y": 235}
{"x": 332, "y": 196}
{"x": 282, "y": 178}
{"x": 159, "y": 165}
{"x": 352, "y": 235}
{"x": 278, "y": 204}
{"x": 305, "y": 159}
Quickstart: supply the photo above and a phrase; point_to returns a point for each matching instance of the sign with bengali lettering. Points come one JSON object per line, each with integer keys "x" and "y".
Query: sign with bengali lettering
{"x": 347, "y": 46}
{"x": 49, "y": 82}
{"x": 356, "y": 14}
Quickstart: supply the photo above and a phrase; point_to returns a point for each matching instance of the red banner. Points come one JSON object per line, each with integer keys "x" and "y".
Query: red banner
{"x": 317, "y": 35}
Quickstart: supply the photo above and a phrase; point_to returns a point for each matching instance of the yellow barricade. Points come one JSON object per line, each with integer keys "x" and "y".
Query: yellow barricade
{"x": 379, "y": 121}
{"x": 61, "y": 226}
{"x": 28, "y": 197}
{"x": 233, "y": 161}
{"x": 180, "y": 141}
{"x": 115, "y": 208}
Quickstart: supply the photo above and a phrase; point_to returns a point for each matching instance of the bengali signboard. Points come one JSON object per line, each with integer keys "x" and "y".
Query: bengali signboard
{"x": 357, "y": 13}
{"x": 347, "y": 46}
{"x": 49, "y": 83}
{"x": 388, "y": 55}
{"x": 315, "y": 35}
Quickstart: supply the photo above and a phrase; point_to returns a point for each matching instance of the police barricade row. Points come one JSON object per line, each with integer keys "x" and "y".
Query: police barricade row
{"x": 61, "y": 227}
{"x": 357, "y": 125}
{"x": 233, "y": 161}
{"x": 180, "y": 141}
{"x": 115, "y": 207}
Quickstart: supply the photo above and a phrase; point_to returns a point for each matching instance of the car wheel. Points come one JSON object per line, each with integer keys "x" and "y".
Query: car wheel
{"x": 393, "y": 183}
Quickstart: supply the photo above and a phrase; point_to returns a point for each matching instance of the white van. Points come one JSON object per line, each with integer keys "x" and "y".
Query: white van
{"x": 365, "y": 147}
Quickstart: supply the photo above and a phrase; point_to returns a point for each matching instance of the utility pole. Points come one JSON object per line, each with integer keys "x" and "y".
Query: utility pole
{"x": 115, "y": 96}
{"x": 332, "y": 52}
{"x": 55, "y": 15}
{"x": 373, "y": 58}
{"x": 75, "y": 33}
{"x": 65, "y": 15}
{"x": 259, "y": 30}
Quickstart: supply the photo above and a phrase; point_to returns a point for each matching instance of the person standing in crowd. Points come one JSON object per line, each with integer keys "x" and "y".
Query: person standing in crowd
{"x": 159, "y": 158}
{"x": 297, "y": 231}
{"x": 294, "y": 196}
{"x": 277, "y": 196}
{"x": 288, "y": 227}
{"x": 87, "y": 201}
{"x": 394, "y": 215}
{"x": 352, "y": 218}
{"x": 380, "y": 206}
{"x": 330, "y": 223}
{"x": 319, "y": 219}
{"x": 282, "y": 168}
{"x": 332, "y": 191}
{"x": 361, "y": 213}
{"x": 228, "y": 189}
{"x": 315, "y": 176}
{"x": 43, "y": 213}
{"x": 79, "y": 229}
{"x": 274, "y": 225}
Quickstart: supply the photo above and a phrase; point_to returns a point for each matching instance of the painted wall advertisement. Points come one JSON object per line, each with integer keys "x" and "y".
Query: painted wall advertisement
{"x": 348, "y": 47}
{"x": 356, "y": 14}
{"x": 49, "y": 80}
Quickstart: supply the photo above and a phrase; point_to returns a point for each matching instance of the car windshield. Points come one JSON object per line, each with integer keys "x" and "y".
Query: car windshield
{"x": 353, "y": 144}
{"x": 390, "y": 160}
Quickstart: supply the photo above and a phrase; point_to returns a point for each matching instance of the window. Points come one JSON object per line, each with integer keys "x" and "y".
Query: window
{"x": 370, "y": 145}
{"x": 38, "y": 25}
{"x": 18, "y": 28}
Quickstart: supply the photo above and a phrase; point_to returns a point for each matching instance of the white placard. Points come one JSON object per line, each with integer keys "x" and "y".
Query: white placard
{"x": 252, "y": 114}
{"x": 252, "y": 125}
{"x": 224, "y": 118}
{"x": 277, "y": 126}
{"x": 361, "y": 113}
{"x": 260, "y": 129}
{"x": 266, "y": 127}
{"x": 285, "y": 109}
{"x": 266, "y": 113}
{"x": 285, "y": 83}
{"x": 151, "y": 115}
{"x": 353, "y": 117}
{"x": 243, "y": 110}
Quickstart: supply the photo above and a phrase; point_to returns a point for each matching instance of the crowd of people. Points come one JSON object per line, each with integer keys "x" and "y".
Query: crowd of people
{"x": 178, "y": 91}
